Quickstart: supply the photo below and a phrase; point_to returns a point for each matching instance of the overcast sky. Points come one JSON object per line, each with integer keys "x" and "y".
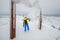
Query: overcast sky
{"x": 48, "y": 6}
{"x": 4, "y": 6}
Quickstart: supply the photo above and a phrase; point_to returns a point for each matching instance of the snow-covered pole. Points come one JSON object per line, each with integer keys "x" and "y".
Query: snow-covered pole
{"x": 13, "y": 20}
{"x": 40, "y": 19}
{"x": 40, "y": 9}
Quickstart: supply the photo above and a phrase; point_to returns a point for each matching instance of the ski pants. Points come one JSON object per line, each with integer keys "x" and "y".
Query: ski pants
{"x": 26, "y": 27}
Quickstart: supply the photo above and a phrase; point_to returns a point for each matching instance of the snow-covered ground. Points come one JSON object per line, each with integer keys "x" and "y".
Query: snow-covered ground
{"x": 4, "y": 28}
{"x": 50, "y": 29}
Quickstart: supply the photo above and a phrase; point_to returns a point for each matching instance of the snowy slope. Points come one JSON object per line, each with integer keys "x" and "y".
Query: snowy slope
{"x": 55, "y": 21}
{"x": 46, "y": 33}
{"x": 4, "y": 28}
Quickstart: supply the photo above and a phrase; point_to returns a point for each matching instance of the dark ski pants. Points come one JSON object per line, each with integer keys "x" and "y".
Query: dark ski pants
{"x": 26, "y": 27}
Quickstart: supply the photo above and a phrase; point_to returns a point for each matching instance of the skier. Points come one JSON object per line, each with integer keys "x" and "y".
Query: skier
{"x": 25, "y": 23}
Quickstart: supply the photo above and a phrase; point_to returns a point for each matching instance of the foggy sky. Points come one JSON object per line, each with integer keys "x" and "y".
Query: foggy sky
{"x": 48, "y": 6}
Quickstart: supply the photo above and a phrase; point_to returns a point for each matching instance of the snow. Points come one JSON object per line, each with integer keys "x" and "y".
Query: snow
{"x": 4, "y": 29}
{"x": 31, "y": 9}
{"x": 48, "y": 32}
